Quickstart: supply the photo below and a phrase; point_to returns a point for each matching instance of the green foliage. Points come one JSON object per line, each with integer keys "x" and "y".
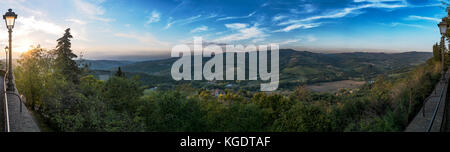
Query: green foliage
{"x": 304, "y": 117}
{"x": 437, "y": 52}
{"x": 296, "y": 68}
{"x": 119, "y": 104}
{"x": 121, "y": 93}
{"x": 70, "y": 101}
{"x": 119, "y": 73}
{"x": 32, "y": 71}
{"x": 64, "y": 58}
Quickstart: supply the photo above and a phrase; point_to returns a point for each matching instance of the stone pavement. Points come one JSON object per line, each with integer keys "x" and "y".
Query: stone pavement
{"x": 2, "y": 104}
{"x": 20, "y": 121}
{"x": 422, "y": 120}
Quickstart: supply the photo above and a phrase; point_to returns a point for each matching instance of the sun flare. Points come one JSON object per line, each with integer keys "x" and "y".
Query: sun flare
{"x": 22, "y": 46}
{"x": 21, "y": 49}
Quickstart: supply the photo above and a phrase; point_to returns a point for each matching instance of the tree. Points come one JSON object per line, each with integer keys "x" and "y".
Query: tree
{"x": 303, "y": 117}
{"x": 436, "y": 52}
{"x": 119, "y": 73}
{"x": 302, "y": 94}
{"x": 30, "y": 74}
{"x": 64, "y": 58}
{"x": 121, "y": 93}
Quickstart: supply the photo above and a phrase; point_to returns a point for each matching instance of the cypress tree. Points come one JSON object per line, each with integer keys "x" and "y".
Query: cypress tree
{"x": 119, "y": 73}
{"x": 64, "y": 58}
{"x": 436, "y": 52}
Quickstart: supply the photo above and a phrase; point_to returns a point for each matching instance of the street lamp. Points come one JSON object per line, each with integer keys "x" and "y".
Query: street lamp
{"x": 10, "y": 19}
{"x": 443, "y": 27}
{"x": 6, "y": 58}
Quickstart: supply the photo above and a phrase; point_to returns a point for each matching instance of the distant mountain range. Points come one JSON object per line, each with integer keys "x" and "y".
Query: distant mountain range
{"x": 104, "y": 64}
{"x": 298, "y": 67}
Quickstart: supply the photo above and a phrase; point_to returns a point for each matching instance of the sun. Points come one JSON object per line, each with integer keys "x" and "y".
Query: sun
{"x": 22, "y": 46}
{"x": 21, "y": 49}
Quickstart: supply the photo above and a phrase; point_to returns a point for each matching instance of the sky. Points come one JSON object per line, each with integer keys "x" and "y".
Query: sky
{"x": 123, "y": 29}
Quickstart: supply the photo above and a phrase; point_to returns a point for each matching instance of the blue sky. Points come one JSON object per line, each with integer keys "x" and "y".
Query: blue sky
{"x": 104, "y": 28}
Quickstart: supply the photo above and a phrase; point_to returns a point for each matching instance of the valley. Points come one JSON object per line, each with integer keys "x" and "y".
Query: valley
{"x": 319, "y": 72}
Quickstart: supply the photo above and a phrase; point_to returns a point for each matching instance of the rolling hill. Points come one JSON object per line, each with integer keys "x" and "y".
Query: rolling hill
{"x": 104, "y": 64}
{"x": 296, "y": 67}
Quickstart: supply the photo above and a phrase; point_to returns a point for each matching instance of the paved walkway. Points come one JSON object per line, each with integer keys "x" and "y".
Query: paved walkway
{"x": 2, "y": 104}
{"x": 20, "y": 121}
{"x": 422, "y": 120}
{"x": 447, "y": 113}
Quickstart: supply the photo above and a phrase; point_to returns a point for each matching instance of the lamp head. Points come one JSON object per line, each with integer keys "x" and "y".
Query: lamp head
{"x": 10, "y": 19}
{"x": 443, "y": 26}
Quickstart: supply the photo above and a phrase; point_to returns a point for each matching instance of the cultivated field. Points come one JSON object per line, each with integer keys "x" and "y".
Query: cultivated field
{"x": 332, "y": 87}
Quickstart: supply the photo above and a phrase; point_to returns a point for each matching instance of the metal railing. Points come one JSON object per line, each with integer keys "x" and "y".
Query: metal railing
{"x": 434, "y": 95}
{"x": 7, "y": 127}
{"x": 6, "y": 93}
{"x": 436, "y": 109}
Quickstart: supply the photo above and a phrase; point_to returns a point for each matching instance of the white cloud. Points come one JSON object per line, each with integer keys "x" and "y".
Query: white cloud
{"x": 146, "y": 39}
{"x": 258, "y": 40}
{"x": 77, "y": 21}
{"x": 382, "y": 4}
{"x": 188, "y": 20}
{"x": 92, "y": 10}
{"x": 297, "y": 26}
{"x": 414, "y": 17}
{"x": 20, "y": 6}
{"x": 378, "y": 1}
{"x": 395, "y": 24}
{"x": 32, "y": 31}
{"x": 308, "y": 38}
{"x": 311, "y": 38}
{"x": 88, "y": 8}
{"x": 155, "y": 17}
{"x": 236, "y": 17}
{"x": 278, "y": 17}
{"x": 182, "y": 21}
{"x": 306, "y": 8}
{"x": 199, "y": 29}
{"x": 246, "y": 33}
{"x": 309, "y": 8}
{"x": 309, "y": 22}
{"x": 102, "y": 19}
{"x": 236, "y": 26}
{"x": 338, "y": 14}
{"x": 29, "y": 24}
{"x": 289, "y": 41}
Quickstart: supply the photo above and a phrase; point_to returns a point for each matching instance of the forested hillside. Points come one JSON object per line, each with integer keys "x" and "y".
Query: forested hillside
{"x": 296, "y": 68}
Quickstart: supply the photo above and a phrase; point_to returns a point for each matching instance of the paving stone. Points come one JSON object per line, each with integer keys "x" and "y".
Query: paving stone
{"x": 19, "y": 121}
{"x": 423, "y": 119}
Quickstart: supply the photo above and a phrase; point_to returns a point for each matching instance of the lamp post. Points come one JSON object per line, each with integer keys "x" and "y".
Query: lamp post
{"x": 443, "y": 27}
{"x": 10, "y": 19}
{"x": 6, "y": 58}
